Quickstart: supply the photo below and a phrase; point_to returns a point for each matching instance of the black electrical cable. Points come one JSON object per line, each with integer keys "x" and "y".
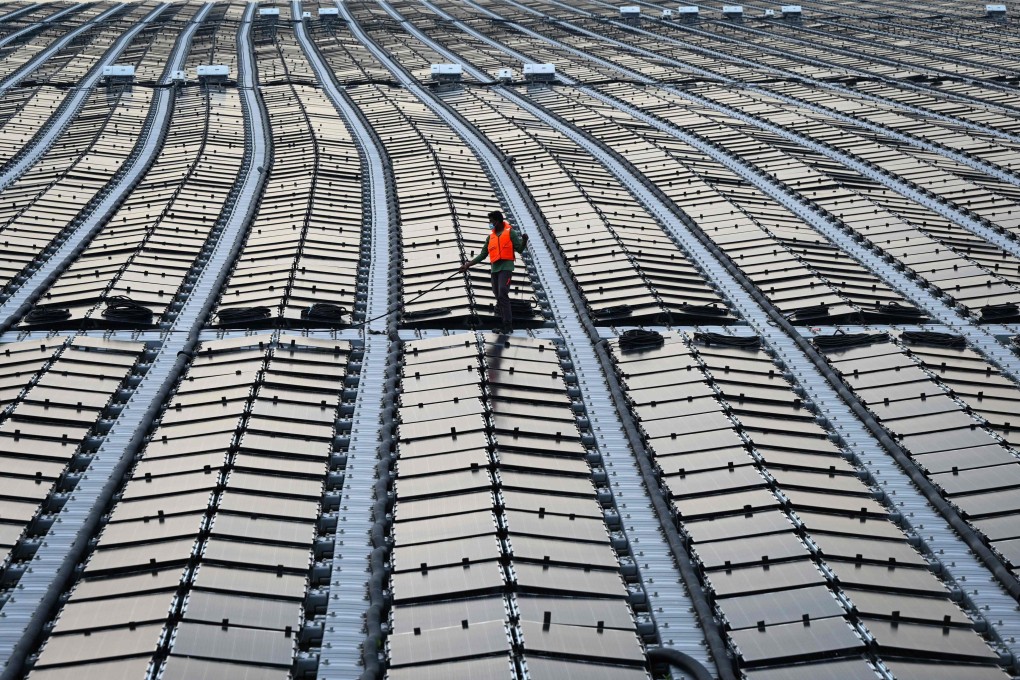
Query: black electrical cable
{"x": 936, "y": 339}
{"x": 638, "y": 339}
{"x": 686, "y": 663}
{"x": 615, "y": 312}
{"x": 1007, "y": 310}
{"x": 123, "y": 308}
{"x": 728, "y": 340}
{"x": 47, "y": 315}
{"x": 324, "y": 311}
{"x": 846, "y": 340}
{"x": 813, "y": 312}
{"x": 895, "y": 308}
{"x": 239, "y": 315}
{"x": 702, "y": 310}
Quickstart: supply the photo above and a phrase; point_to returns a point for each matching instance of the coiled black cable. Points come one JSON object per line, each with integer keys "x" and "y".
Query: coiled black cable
{"x": 703, "y": 310}
{"x": 123, "y": 308}
{"x": 638, "y": 339}
{"x": 936, "y": 339}
{"x": 1007, "y": 310}
{"x": 892, "y": 312}
{"x": 844, "y": 340}
{"x": 727, "y": 340}
{"x": 326, "y": 312}
{"x": 521, "y": 307}
{"x": 239, "y": 315}
{"x": 811, "y": 313}
{"x": 613, "y": 312}
{"x": 47, "y": 315}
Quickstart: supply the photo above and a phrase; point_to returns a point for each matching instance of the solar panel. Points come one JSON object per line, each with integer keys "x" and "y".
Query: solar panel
{"x": 757, "y": 405}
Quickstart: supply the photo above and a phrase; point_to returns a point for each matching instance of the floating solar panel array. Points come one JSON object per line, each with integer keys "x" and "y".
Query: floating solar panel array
{"x": 757, "y": 419}
{"x": 801, "y": 558}
{"x": 58, "y": 399}
{"x": 502, "y": 561}
{"x": 41, "y": 206}
{"x": 950, "y": 410}
{"x": 210, "y": 544}
{"x": 300, "y": 262}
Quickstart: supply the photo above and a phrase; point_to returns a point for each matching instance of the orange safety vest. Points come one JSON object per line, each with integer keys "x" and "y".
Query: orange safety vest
{"x": 501, "y": 247}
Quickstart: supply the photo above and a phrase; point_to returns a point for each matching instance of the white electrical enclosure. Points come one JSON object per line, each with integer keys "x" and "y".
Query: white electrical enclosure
{"x": 446, "y": 71}
{"x": 119, "y": 71}
{"x": 212, "y": 71}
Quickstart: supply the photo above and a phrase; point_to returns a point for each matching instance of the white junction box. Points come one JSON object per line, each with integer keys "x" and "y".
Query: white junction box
{"x": 769, "y": 13}
{"x": 791, "y": 11}
{"x": 630, "y": 13}
{"x": 306, "y": 15}
{"x": 212, "y": 73}
{"x": 212, "y": 70}
{"x": 539, "y": 72}
{"x": 119, "y": 71}
{"x": 667, "y": 14}
{"x": 179, "y": 77}
{"x": 505, "y": 75}
{"x": 447, "y": 73}
{"x": 733, "y": 11}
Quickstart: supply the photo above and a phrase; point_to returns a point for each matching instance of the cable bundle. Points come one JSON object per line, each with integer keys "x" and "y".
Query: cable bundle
{"x": 936, "y": 339}
{"x": 896, "y": 308}
{"x": 46, "y": 315}
{"x": 616, "y": 311}
{"x": 810, "y": 313}
{"x": 846, "y": 340}
{"x": 728, "y": 340}
{"x": 123, "y": 308}
{"x": 638, "y": 339}
{"x": 325, "y": 312}
{"x": 425, "y": 313}
{"x": 703, "y": 310}
{"x": 241, "y": 315}
{"x": 1007, "y": 310}
{"x": 893, "y": 312}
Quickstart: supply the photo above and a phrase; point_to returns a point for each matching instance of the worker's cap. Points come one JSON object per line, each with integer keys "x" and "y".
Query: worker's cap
{"x": 495, "y": 217}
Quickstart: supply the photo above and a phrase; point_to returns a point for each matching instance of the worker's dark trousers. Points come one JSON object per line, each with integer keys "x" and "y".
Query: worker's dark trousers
{"x": 501, "y": 289}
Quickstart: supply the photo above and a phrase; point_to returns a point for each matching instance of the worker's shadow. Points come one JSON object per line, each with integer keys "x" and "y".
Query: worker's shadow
{"x": 495, "y": 360}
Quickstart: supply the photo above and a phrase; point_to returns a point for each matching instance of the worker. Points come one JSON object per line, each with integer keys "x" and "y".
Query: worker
{"x": 500, "y": 246}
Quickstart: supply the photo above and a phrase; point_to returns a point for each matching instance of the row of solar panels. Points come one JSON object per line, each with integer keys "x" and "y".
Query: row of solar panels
{"x": 954, "y": 413}
{"x": 502, "y": 562}
{"x": 58, "y": 398}
{"x": 304, "y": 247}
{"x": 803, "y": 561}
{"x": 209, "y": 562}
